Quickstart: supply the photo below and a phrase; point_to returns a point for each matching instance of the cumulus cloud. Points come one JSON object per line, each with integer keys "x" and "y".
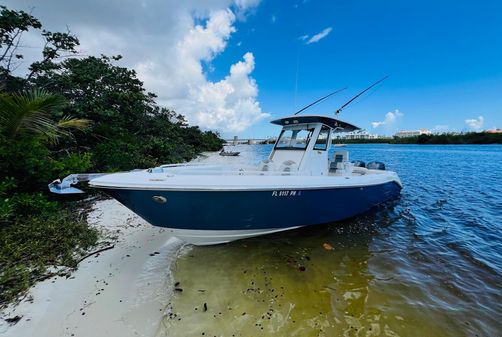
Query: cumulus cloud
{"x": 231, "y": 101}
{"x": 390, "y": 119}
{"x": 317, "y": 37}
{"x": 475, "y": 124}
{"x": 169, "y": 44}
{"x": 230, "y": 104}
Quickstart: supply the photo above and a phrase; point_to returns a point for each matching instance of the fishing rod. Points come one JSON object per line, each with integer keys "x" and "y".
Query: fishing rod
{"x": 319, "y": 100}
{"x": 359, "y": 94}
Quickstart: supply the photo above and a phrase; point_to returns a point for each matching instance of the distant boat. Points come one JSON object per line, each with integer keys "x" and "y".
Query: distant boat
{"x": 340, "y": 145}
{"x": 298, "y": 185}
{"x": 229, "y": 153}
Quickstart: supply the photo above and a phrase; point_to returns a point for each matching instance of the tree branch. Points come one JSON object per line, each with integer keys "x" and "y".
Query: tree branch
{"x": 95, "y": 252}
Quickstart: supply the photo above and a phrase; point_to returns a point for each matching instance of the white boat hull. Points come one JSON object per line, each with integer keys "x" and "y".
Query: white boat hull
{"x": 214, "y": 237}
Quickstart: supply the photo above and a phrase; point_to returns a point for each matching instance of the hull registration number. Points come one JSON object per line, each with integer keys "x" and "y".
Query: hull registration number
{"x": 286, "y": 193}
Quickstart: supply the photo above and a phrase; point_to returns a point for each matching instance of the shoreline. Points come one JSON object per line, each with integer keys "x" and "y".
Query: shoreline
{"x": 122, "y": 291}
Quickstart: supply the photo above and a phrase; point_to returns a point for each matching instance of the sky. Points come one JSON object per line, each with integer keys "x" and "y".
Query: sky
{"x": 235, "y": 65}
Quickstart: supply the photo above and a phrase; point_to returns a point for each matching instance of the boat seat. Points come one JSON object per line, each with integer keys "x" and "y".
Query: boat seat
{"x": 339, "y": 158}
{"x": 266, "y": 165}
{"x": 288, "y": 166}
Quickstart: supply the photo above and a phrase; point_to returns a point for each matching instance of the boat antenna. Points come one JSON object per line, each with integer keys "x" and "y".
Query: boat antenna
{"x": 319, "y": 100}
{"x": 359, "y": 94}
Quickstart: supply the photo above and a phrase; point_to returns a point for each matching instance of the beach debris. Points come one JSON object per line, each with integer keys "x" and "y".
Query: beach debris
{"x": 327, "y": 246}
{"x": 176, "y": 284}
{"x": 178, "y": 289}
{"x": 13, "y": 320}
{"x": 205, "y": 306}
{"x": 169, "y": 312}
{"x": 95, "y": 252}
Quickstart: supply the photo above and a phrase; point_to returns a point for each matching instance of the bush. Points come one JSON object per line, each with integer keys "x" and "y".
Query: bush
{"x": 31, "y": 244}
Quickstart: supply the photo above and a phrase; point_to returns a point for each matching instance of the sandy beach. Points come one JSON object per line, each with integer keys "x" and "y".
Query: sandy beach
{"x": 123, "y": 291}
{"x": 119, "y": 292}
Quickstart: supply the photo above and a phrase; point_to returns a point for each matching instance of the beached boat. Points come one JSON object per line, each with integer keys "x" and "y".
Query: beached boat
{"x": 298, "y": 185}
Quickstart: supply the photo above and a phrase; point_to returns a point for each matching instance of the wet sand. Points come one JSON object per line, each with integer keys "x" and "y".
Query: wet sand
{"x": 121, "y": 292}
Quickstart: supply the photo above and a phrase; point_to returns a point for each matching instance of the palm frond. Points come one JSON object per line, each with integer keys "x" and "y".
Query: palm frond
{"x": 30, "y": 112}
{"x": 68, "y": 122}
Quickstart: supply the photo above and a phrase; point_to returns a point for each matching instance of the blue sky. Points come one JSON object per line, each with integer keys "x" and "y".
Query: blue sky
{"x": 231, "y": 65}
{"x": 444, "y": 59}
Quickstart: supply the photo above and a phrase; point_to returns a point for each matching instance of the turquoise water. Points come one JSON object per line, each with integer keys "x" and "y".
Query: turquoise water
{"x": 428, "y": 264}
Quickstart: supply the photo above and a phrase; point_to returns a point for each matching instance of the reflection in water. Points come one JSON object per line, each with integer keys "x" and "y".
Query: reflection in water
{"x": 425, "y": 265}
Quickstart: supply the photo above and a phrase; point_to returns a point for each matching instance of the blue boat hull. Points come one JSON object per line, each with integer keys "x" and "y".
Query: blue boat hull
{"x": 252, "y": 210}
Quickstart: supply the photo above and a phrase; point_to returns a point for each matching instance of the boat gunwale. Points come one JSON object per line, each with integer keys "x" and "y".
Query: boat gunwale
{"x": 239, "y": 188}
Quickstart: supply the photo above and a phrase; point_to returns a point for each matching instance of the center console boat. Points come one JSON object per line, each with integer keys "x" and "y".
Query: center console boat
{"x": 298, "y": 185}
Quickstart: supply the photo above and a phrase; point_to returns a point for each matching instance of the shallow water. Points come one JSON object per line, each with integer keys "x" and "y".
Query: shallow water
{"x": 428, "y": 264}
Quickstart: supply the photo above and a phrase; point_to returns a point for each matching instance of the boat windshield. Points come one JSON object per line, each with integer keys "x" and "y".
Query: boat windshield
{"x": 322, "y": 141}
{"x": 294, "y": 139}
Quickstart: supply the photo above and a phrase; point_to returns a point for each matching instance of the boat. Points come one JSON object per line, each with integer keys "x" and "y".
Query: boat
{"x": 299, "y": 184}
{"x": 228, "y": 153}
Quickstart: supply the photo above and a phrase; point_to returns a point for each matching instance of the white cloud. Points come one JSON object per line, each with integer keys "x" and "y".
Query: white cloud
{"x": 228, "y": 105}
{"x": 171, "y": 45}
{"x": 475, "y": 124}
{"x": 247, "y": 4}
{"x": 230, "y": 102}
{"x": 390, "y": 119}
{"x": 319, "y": 36}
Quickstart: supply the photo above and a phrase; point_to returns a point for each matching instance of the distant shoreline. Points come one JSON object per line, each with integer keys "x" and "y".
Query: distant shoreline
{"x": 473, "y": 138}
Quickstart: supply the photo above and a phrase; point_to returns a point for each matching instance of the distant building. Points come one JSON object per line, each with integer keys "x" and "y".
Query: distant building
{"x": 494, "y": 131}
{"x": 412, "y": 133}
{"x": 362, "y": 134}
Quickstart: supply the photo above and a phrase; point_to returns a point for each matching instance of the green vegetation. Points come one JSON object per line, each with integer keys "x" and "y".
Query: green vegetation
{"x": 69, "y": 114}
{"x": 446, "y": 138}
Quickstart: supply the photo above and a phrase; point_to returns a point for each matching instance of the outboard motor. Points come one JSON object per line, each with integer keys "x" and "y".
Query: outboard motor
{"x": 376, "y": 165}
{"x": 358, "y": 163}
